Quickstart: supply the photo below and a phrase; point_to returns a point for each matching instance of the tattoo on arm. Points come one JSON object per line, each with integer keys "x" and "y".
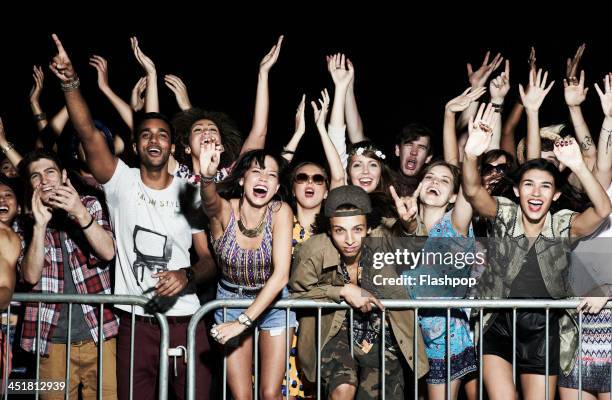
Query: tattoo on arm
{"x": 586, "y": 143}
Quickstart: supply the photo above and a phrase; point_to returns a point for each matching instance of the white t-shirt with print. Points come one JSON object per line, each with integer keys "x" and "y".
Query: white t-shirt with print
{"x": 153, "y": 231}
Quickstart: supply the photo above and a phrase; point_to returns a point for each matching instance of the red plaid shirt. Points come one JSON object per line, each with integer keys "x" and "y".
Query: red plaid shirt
{"x": 90, "y": 276}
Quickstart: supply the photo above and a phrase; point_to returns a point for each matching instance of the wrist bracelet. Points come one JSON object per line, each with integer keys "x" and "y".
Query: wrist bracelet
{"x": 40, "y": 117}
{"x": 498, "y": 107}
{"x": 71, "y": 85}
{"x": 89, "y": 224}
{"x": 9, "y": 146}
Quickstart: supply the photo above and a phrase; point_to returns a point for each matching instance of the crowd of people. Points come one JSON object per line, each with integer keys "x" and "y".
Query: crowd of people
{"x": 205, "y": 212}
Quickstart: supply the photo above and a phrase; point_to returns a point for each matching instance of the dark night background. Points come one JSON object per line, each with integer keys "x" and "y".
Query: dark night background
{"x": 407, "y": 68}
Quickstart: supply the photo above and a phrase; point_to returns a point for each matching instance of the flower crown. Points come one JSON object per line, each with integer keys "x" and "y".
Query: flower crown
{"x": 361, "y": 149}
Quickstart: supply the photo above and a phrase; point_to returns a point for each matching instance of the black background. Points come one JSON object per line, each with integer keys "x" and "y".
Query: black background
{"x": 408, "y": 63}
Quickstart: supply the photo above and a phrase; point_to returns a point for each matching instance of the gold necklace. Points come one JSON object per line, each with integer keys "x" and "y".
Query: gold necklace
{"x": 251, "y": 233}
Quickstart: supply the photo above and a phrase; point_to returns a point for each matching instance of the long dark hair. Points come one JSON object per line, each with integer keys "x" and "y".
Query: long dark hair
{"x": 230, "y": 135}
{"x": 230, "y": 187}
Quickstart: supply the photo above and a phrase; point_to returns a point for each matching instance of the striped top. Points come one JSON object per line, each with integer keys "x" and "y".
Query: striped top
{"x": 245, "y": 267}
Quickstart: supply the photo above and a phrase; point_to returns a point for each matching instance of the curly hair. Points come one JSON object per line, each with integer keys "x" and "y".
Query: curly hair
{"x": 230, "y": 135}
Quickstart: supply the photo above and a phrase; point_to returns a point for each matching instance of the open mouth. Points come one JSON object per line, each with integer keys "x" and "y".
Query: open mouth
{"x": 154, "y": 151}
{"x": 411, "y": 164}
{"x": 47, "y": 188}
{"x": 4, "y": 210}
{"x": 535, "y": 205}
{"x": 433, "y": 191}
{"x": 309, "y": 192}
{"x": 365, "y": 181}
{"x": 260, "y": 191}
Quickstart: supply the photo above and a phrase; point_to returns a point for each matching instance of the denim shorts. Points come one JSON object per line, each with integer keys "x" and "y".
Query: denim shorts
{"x": 272, "y": 319}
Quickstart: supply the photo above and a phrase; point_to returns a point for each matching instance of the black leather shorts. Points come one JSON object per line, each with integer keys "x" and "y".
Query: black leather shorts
{"x": 530, "y": 340}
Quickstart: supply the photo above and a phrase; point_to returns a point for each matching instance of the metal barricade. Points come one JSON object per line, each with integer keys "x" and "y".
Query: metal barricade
{"x": 416, "y": 305}
{"x": 101, "y": 300}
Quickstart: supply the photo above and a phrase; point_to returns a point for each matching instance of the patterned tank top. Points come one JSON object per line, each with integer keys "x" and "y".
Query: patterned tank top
{"x": 245, "y": 267}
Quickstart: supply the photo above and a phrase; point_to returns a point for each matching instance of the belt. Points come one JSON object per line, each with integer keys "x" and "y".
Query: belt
{"x": 239, "y": 289}
{"x": 180, "y": 319}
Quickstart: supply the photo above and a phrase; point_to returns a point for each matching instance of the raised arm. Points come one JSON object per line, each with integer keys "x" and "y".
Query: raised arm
{"x": 39, "y": 116}
{"x": 480, "y": 134}
{"x": 214, "y": 206}
{"x": 300, "y": 129}
{"x": 100, "y": 160}
{"x": 478, "y": 79}
{"x": 575, "y": 93}
{"x": 585, "y": 223}
{"x": 123, "y": 108}
{"x": 354, "y": 124}
{"x": 337, "y": 172}
{"x": 178, "y": 87}
{"x": 7, "y": 148}
{"x": 458, "y": 104}
{"x": 34, "y": 258}
{"x": 603, "y": 169}
{"x": 499, "y": 88}
{"x": 151, "y": 96}
{"x": 342, "y": 75}
{"x": 532, "y": 101}
{"x": 259, "y": 129}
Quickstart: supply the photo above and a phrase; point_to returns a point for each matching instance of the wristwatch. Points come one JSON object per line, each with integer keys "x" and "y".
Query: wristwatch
{"x": 244, "y": 319}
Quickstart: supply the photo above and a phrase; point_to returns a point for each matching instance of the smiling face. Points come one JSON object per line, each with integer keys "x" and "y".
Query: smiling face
{"x": 413, "y": 155}
{"x": 536, "y": 192}
{"x": 309, "y": 189}
{"x": 8, "y": 205}
{"x": 45, "y": 173}
{"x": 7, "y": 169}
{"x": 154, "y": 144}
{"x": 364, "y": 172}
{"x": 261, "y": 182}
{"x": 347, "y": 233}
{"x": 438, "y": 187}
{"x": 202, "y": 129}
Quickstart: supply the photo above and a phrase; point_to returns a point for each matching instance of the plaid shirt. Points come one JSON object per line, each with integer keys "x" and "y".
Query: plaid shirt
{"x": 90, "y": 276}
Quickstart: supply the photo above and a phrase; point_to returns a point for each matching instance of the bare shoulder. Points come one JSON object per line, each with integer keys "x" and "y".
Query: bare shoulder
{"x": 281, "y": 211}
{"x": 9, "y": 243}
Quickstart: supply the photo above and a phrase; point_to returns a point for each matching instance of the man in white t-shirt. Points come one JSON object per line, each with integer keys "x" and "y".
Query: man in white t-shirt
{"x": 156, "y": 219}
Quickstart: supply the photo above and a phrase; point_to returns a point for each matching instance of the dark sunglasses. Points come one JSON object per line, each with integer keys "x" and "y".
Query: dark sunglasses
{"x": 318, "y": 179}
{"x": 498, "y": 169}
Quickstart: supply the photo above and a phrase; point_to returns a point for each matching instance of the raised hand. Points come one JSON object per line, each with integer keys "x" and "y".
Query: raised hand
{"x": 145, "y": 62}
{"x": 270, "y": 59}
{"x": 605, "y": 95}
{"x": 480, "y": 130}
{"x": 39, "y": 77}
{"x": 101, "y": 66}
{"x": 300, "y": 120}
{"x": 572, "y": 65}
{"x": 408, "y": 206}
{"x": 574, "y": 91}
{"x": 42, "y": 215}
{"x": 320, "y": 115}
{"x": 568, "y": 153}
{"x": 137, "y": 99}
{"x": 534, "y": 96}
{"x": 179, "y": 89}
{"x": 479, "y": 77}
{"x": 500, "y": 86}
{"x": 463, "y": 101}
{"x": 532, "y": 59}
{"x": 342, "y": 73}
{"x": 65, "y": 197}
{"x": 210, "y": 156}
{"x": 61, "y": 65}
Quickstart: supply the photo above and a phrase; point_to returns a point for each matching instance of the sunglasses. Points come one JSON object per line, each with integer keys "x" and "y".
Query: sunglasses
{"x": 498, "y": 169}
{"x": 318, "y": 179}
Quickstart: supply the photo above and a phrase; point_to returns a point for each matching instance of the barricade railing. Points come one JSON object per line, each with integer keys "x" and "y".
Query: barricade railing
{"x": 480, "y": 305}
{"x": 100, "y": 300}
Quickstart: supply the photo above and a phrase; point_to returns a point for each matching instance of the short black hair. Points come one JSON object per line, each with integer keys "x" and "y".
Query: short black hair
{"x": 34, "y": 156}
{"x": 142, "y": 117}
{"x": 412, "y": 132}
